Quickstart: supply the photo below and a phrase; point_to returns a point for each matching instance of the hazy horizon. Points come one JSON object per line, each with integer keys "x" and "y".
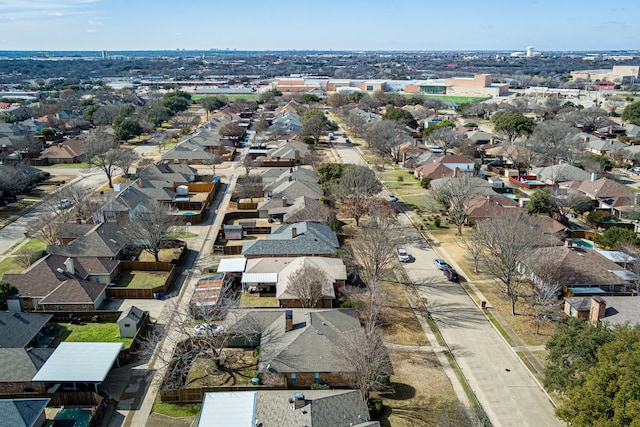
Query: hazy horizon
{"x": 406, "y": 26}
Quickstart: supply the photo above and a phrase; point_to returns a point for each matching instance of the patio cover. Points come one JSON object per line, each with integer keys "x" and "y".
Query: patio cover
{"x": 233, "y": 409}
{"x": 82, "y": 362}
{"x": 260, "y": 278}
{"x": 232, "y": 265}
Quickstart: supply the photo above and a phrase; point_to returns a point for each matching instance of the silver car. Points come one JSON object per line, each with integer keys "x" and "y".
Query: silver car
{"x": 403, "y": 256}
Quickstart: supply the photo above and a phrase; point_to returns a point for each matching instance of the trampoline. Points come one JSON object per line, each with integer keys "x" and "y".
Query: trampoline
{"x": 80, "y": 415}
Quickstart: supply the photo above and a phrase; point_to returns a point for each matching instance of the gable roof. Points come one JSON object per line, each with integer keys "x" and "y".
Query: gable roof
{"x": 133, "y": 313}
{"x": 311, "y": 239}
{"x": 480, "y": 206}
{"x": 605, "y": 188}
{"x": 333, "y": 268}
{"x": 75, "y": 291}
{"x": 433, "y": 170}
{"x": 69, "y": 149}
{"x": 293, "y": 189}
{"x": 20, "y": 365}
{"x": 309, "y": 347}
{"x": 104, "y": 240}
{"x": 560, "y": 173}
{"x": 22, "y": 412}
{"x": 18, "y": 329}
{"x": 454, "y": 158}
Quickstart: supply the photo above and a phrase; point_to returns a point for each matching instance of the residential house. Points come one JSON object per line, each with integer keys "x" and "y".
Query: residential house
{"x": 22, "y": 351}
{"x": 297, "y": 347}
{"x": 608, "y": 193}
{"x": 54, "y": 283}
{"x": 479, "y": 137}
{"x": 176, "y": 173}
{"x": 311, "y": 408}
{"x": 578, "y": 270}
{"x": 299, "y": 239}
{"x": 23, "y": 412}
{"x": 130, "y": 321}
{"x": 300, "y": 209}
{"x": 272, "y": 276}
{"x": 104, "y": 240}
{"x": 633, "y": 131}
{"x": 481, "y": 207}
{"x": 610, "y": 310}
{"x": 70, "y": 151}
{"x": 559, "y": 173}
{"x": 290, "y": 151}
{"x": 292, "y": 189}
{"x": 454, "y": 162}
{"x": 603, "y": 147}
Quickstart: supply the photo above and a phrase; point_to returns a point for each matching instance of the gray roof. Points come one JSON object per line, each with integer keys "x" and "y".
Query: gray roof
{"x": 322, "y": 408}
{"x": 311, "y": 239}
{"x": 105, "y": 240}
{"x": 80, "y": 362}
{"x": 619, "y": 310}
{"x": 133, "y": 313}
{"x": 309, "y": 347}
{"x": 21, "y": 412}
{"x": 561, "y": 173}
{"x": 294, "y": 189}
{"x": 18, "y": 329}
{"x": 20, "y": 365}
{"x": 597, "y": 144}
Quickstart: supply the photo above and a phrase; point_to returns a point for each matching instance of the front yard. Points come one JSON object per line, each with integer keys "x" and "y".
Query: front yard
{"x": 137, "y": 279}
{"x": 89, "y": 332}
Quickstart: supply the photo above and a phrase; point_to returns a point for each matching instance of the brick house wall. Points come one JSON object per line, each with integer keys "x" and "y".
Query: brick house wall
{"x": 306, "y": 379}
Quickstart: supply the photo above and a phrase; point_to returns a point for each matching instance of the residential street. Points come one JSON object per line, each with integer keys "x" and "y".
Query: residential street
{"x": 503, "y": 385}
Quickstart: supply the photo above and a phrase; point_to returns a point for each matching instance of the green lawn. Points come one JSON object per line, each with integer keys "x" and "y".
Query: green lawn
{"x": 236, "y": 96}
{"x": 447, "y": 98}
{"x": 142, "y": 279}
{"x": 82, "y": 165}
{"x": 8, "y": 266}
{"x": 251, "y": 301}
{"x": 34, "y": 244}
{"x": 176, "y": 410}
{"x": 90, "y": 332}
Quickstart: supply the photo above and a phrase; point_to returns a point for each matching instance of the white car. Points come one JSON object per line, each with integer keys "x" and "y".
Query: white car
{"x": 636, "y": 169}
{"x": 403, "y": 256}
{"x": 208, "y": 329}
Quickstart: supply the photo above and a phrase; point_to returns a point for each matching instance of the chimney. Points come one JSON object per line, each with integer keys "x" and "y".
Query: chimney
{"x": 71, "y": 269}
{"x": 597, "y": 309}
{"x": 288, "y": 320}
{"x": 294, "y": 232}
{"x": 296, "y": 155}
{"x": 78, "y": 219}
{"x": 298, "y": 401}
{"x": 140, "y": 182}
{"x": 456, "y": 172}
{"x": 568, "y": 243}
{"x": 284, "y": 203}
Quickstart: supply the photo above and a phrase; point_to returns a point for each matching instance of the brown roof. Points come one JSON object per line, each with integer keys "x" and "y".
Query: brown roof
{"x": 548, "y": 225}
{"x": 86, "y": 266}
{"x": 433, "y": 170}
{"x": 578, "y": 266}
{"x": 454, "y": 158}
{"x": 481, "y": 206}
{"x": 67, "y": 150}
{"x": 605, "y": 188}
{"x": 75, "y": 292}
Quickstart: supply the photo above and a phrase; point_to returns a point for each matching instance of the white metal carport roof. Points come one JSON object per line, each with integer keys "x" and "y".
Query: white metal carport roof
{"x": 232, "y": 265}
{"x": 84, "y": 362}
{"x": 259, "y": 277}
{"x": 231, "y": 409}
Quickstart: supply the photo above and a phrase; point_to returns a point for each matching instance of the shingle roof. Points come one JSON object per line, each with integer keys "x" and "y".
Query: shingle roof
{"x": 18, "y": 329}
{"x": 605, "y": 188}
{"x": 75, "y": 292}
{"x": 20, "y": 365}
{"x": 21, "y": 412}
{"x": 561, "y": 173}
{"x": 309, "y": 347}
{"x": 311, "y": 238}
{"x": 333, "y": 268}
{"x": 133, "y": 313}
{"x": 105, "y": 240}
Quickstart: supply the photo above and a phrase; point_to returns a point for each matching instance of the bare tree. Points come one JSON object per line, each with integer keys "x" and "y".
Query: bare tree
{"x": 249, "y": 186}
{"x": 125, "y": 158}
{"x": 434, "y": 104}
{"x": 455, "y": 196}
{"x": 365, "y": 352}
{"x": 307, "y": 285}
{"x": 556, "y": 141}
{"x": 508, "y": 241}
{"x": 357, "y": 122}
{"x": 249, "y": 164}
{"x": 356, "y": 186}
{"x": 446, "y": 138}
{"x": 24, "y": 257}
{"x": 214, "y": 160}
{"x": 336, "y": 100}
{"x": 474, "y": 247}
{"x": 149, "y": 225}
{"x": 102, "y": 153}
{"x": 45, "y": 227}
{"x": 385, "y": 138}
{"x": 544, "y": 303}
{"x": 374, "y": 251}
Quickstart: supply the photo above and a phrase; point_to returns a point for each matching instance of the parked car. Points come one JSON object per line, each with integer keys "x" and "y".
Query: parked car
{"x": 64, "y": 204}
{"x": 347, "y": 141}
{"x": 392, "y": 198}
{"x": 636, "y": 169}
{"x": 403, "y": 256}
{"x": 344, "y": 135}
{"x": 208, "y": 329}
{"x": 451, "y": 274}
{"x": 441, "y": 264}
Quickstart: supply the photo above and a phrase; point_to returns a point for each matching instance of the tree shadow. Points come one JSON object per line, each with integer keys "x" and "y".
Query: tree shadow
{"x": 399, "y": 391}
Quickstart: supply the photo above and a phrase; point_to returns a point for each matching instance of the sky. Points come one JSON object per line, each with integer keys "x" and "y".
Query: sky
{"x": 511, "y": 25}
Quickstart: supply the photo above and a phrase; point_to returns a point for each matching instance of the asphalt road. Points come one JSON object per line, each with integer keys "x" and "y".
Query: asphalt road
{"x": 503, "y": 385}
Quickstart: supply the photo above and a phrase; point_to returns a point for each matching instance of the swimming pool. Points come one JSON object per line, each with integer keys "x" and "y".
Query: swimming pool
{"x": 583, "y": 243}
{"x": 533, "y": 182}
{"x": 510, "y": 196}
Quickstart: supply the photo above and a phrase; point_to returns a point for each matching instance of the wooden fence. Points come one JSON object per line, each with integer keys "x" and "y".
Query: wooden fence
{"x": 243, "y": 205}
{"x": 139, "y": 293}
{"x": 100, "y": 316}
{"x": 196, "y": 394}
{"x": 227, "y": 250}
